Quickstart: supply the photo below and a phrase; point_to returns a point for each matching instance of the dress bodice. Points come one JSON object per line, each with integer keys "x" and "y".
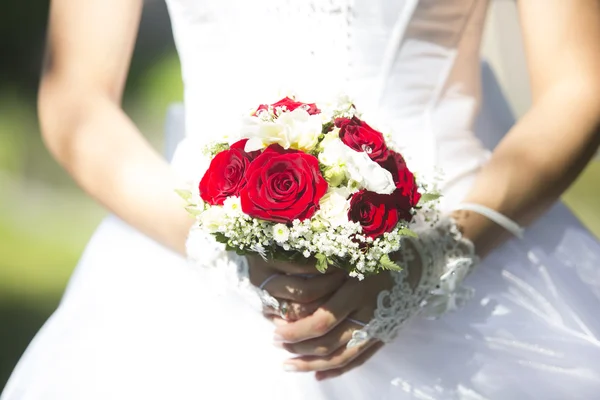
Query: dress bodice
{"x": 412, "y": 63}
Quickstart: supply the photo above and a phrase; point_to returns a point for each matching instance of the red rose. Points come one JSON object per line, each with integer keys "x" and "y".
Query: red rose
{"x": 404, "y": 179}
{"x": 407, "y": 187}
{"x": 241, "y": 144}
{"x": 291, "y": 105}
{"x": 394, "y": 163}
{"x": 376, "y": 213}
{"x": 359, "y": 136}
{"x": 225, "y": 175}
{"x": 283, "y": 185}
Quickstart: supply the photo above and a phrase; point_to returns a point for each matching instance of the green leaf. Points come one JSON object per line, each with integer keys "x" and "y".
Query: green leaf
{"x": 230, "y": 248}
{"x": 387, "y": 263}
{"x": 427, "y": 197}
{"x": 322, "y": 262}
{"x": 408, "y": 232}
{"x": 193, "y": 211}
{"x": 184, "y": 194}
{"x": 238, "y": 251}
{"x": 327, "y": 127}
{"x": 221, "y": 238}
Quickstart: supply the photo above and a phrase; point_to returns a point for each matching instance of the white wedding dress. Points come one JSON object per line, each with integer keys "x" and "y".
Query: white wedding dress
{"x": 137, "y": 322}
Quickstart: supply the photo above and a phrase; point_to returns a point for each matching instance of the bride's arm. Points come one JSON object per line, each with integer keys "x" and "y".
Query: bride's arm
{"x": 83, "y": 125}
{"x": 537, "y": 160}
{"x": 546, "y": 150}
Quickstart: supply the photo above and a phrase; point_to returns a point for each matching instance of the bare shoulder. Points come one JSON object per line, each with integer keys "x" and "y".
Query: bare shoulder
{"x": 90, "y": 42}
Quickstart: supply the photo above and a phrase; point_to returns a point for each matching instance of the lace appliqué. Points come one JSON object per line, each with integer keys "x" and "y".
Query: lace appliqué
{"x": 446, "y": 258}
{"x": 227, "y": 271}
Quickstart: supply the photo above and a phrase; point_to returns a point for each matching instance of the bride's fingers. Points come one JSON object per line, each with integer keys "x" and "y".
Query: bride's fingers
{"x": 302, "y": 290}
{"x": 325, "y": 318}
{"x": 325, "y": 345}
{"x": 294, "y": 311}
{"x": 277, "y": 321}
{"x": 356, "y": 362}
{"x": 338, "y": 359}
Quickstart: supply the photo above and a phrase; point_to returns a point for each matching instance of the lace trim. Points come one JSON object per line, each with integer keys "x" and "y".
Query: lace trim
{"x": 446, "y": 258}
{"x": 227, "y": 271}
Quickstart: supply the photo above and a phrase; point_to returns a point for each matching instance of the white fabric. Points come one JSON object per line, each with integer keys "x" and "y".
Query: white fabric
{"x": 136, "y": 322}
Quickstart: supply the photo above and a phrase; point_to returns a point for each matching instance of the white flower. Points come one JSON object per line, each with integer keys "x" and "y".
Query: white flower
{"x": 329, "y": 137}
{"x": 334, "y": 151}
{"x": 212, "y": 219}
{"x": 344, "y": 107}
{"x": 295, "y": 129}
{"x": 281, "y": 233}
{"x": 335, "y": 175}
{"x": 232, "y": 206}
{"x": 334, "y": 207}
{"x": 369, "y": 174}
{"x": 358, "y": 166}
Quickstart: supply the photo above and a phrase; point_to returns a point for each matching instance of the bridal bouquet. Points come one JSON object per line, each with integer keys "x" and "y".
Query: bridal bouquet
{"x": 300, "y": 180}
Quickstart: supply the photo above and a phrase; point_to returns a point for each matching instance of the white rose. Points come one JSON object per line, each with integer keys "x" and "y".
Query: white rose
{"x": 369, "y": 174}
{"x": 212, "y": 219}
{"x": 358, "y": 166}
{"x": 329, "y": 137}
{"x": 334, "y": 206}
{"x": 303, "y": 129}
{"x": 261, "y": 133}
{"x": 334, "y": 152}
{"x": 296, "y": 129}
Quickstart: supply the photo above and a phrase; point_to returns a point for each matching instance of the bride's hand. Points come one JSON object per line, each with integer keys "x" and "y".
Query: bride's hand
{"x": 435, "y": 263}
{"x": 300, "y": 287}
{"x": 320, "y": 340}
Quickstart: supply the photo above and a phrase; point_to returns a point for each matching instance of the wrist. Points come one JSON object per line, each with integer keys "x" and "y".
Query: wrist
{"x": 485, "y": 227}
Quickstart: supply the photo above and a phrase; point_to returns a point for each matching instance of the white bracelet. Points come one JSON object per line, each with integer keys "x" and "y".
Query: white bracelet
{"x": 495, "y": 216}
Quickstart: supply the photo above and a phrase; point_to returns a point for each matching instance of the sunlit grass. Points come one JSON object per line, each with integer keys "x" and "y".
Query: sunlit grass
{"x": 584, "y": 198}
{"x": 45, "y": 221}
{"x": 43, "y": 234}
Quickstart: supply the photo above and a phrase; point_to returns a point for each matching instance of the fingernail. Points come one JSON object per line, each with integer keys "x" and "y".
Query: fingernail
{"x": 278, "y": 344}
{"x": 290, "y": 368}
{"x": 278, "y": 338}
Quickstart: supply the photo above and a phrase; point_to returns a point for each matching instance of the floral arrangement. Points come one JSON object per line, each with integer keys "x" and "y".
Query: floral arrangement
{"x": 300, "y": 181}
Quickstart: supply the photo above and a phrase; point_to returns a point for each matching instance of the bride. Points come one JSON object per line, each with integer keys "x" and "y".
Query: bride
{"x": 138, "y": 322}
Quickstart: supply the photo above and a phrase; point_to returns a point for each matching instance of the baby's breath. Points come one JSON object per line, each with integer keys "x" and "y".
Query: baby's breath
{"x": 214, "y": 148}
{"x": 344, "y": 246}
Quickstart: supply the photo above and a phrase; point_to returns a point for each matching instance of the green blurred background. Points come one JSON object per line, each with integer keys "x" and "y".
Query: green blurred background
{"x": 45, "y": 220}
